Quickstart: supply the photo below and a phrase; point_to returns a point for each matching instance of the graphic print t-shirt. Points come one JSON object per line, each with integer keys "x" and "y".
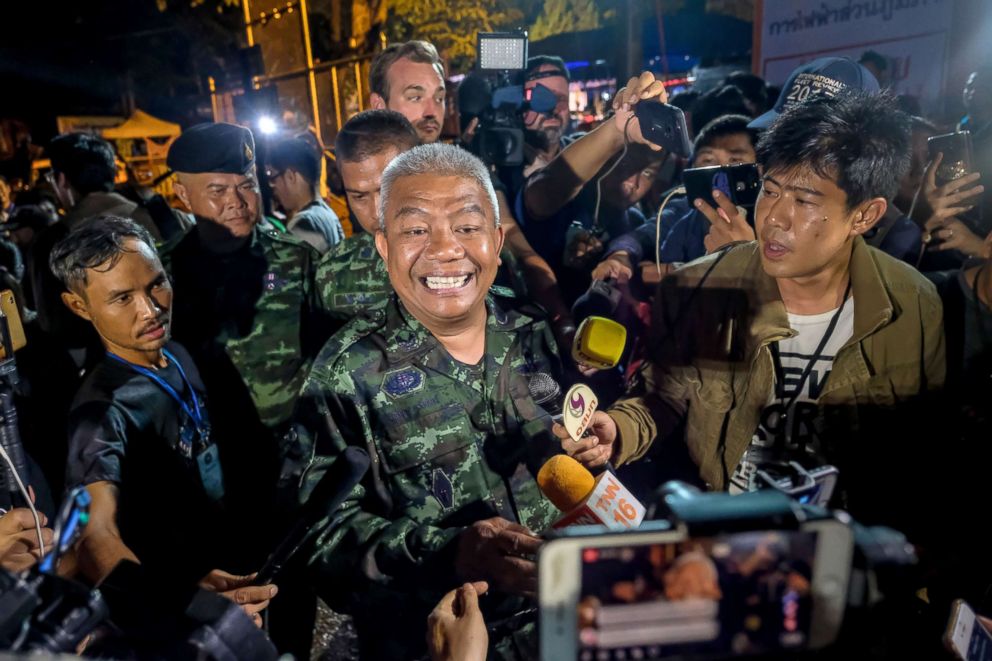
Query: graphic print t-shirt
{"x": 794, "y": 437}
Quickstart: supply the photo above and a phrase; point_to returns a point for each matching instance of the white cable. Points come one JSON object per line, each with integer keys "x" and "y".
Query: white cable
{"x": 27, "y": 498}
{"x": 657, "y": 226}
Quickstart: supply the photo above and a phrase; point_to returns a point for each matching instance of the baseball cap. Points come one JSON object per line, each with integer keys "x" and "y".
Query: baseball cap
{"x": 825, "y": 76}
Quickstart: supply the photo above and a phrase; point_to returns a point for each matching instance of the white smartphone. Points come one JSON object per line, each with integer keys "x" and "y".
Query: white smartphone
{"x": 659, "y": 594}
{"x": 966, "y": 636}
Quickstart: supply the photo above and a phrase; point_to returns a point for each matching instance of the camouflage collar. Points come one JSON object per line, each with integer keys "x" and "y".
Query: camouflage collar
{"x": 406, "y": 338}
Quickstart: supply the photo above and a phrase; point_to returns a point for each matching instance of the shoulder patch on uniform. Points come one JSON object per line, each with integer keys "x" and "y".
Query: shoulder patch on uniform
{"x": 403, "y": 381}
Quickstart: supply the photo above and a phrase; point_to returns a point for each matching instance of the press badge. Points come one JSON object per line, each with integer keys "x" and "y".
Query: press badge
{"x": 211, "y": 475}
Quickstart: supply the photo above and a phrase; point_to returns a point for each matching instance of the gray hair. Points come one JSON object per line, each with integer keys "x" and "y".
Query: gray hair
{"x": 439, "y": 159}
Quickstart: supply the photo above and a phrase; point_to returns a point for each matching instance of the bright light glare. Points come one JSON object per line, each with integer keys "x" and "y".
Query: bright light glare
{"x": 267, "y": 125}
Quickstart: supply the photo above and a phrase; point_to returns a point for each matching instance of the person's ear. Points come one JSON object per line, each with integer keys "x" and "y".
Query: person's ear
{"x": 381, "y": 245}
{"x": 77, "y": 304}
{"x": 868, "y": 215}
{"x": 500, "y": 238}
{"x": 376, "y": 102}
{"x": 182, "y": 193}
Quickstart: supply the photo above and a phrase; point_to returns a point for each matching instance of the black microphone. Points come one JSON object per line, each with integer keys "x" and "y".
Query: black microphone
{"x": 545, "y": 392}
{"x": 601, "y": 300}
{"x": 343, "y": 476}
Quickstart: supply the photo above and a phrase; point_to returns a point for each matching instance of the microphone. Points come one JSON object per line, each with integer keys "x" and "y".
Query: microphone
{"x": 599, "y": 342}
{"x": 588, "y": 500}
{"x": 544, "y": 390}
{"x": 343, "y": 476}
{"x": 474, "y": 95}
{"x": 601, "y": 299}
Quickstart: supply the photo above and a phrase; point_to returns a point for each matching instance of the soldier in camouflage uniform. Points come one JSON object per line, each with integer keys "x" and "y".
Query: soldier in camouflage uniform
{"x": 351, "y": 276}
{"x": 247, "y": 312}
{"x": 434, "y": 385}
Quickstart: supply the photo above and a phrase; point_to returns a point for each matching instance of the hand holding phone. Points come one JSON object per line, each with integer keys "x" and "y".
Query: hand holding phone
{"x": 633, "y": 106}
{"x": 956, "y": 151}
{"x": 741, "y": 183}
{"x": 728, "y": 223}
{"x": 966, "y": 635}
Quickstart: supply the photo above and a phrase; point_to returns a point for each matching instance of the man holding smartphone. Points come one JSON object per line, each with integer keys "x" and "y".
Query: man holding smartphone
{"x": 725, "y": 141}
{"x": 564, "y": 218}
{"x": 793, "y": 347}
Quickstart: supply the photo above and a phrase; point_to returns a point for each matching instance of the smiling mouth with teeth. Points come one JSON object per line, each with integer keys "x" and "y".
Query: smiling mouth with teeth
{"x": 447, "y": 282}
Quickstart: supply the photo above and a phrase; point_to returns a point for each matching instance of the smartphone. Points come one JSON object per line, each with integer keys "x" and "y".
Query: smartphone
{"x": 664, "y": 125}
{"x": 741, "y": 183}
{"x": 15, "y": 329}
{"x": 957, "y": 161}
{"x": 966, "y": 637}
{"x": 662, "y": 595}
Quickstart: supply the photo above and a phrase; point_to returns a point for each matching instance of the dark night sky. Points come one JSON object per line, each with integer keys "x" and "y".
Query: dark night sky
{"x": 76, "y": 57}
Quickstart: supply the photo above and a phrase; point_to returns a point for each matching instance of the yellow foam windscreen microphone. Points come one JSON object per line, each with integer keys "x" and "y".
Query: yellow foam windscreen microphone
{"x": 586, "y": 500}
{"x": 565, "y": 482}
{"x": 599, "y": 342}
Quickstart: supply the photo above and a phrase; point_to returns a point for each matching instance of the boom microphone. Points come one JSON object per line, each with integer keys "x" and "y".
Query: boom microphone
{"x": 588, "y": 500}
{"x": 332, "y": 490}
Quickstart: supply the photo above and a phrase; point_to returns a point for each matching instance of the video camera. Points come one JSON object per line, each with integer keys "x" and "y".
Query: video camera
{"x": 133, "y": 614}
{"x": 495, "y": 94}
{"x": 717, "y": 576}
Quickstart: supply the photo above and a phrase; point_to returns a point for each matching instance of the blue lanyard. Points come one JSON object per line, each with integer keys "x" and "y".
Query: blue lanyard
{"x": 194, "y": 413}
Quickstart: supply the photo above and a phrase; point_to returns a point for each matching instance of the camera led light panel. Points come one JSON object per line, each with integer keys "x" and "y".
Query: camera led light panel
{"x": 500, "y": 51}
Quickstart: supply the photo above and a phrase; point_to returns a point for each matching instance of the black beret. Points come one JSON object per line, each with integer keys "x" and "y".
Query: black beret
{"x": 212, "y": 147}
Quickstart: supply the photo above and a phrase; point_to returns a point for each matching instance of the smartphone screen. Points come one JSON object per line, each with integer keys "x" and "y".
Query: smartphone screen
{"x": 967, "y": 637}
{"x": 956, "y": 148}
{"x": 733, "y": 594}
{"x": 741, "y": 183}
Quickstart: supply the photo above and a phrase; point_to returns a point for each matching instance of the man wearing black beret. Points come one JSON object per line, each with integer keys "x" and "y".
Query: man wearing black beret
{"x": 245, "y": 309}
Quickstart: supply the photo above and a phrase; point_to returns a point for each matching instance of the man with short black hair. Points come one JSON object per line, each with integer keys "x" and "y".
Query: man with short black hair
{"x": 725, "y": 141}
{"x": 294, "y": 175}
{"x": 797, "y": 346}
{"x": 83, "y": 171}
{"x": 588, "y": 193}
{"x": 352, "y": 277}
{"x": 139, "y": 432}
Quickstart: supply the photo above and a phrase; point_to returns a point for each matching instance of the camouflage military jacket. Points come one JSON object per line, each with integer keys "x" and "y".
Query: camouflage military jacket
{"x": 450, "y": 444}
{"x": 250, "y": 319}
{"x": 351, "y": 277}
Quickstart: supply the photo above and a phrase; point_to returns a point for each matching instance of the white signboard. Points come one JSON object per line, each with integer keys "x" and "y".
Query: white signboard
{"x": 912, "y": 34}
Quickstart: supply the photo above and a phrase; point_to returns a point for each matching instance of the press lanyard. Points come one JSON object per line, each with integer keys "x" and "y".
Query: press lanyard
{"x": 194, "y": 413}
{"x": 780, "y": 373}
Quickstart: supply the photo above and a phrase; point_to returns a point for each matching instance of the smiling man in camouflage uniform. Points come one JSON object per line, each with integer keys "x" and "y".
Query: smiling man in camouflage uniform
{"x": 351, "y": 276}
{"x": 434, "y": 385}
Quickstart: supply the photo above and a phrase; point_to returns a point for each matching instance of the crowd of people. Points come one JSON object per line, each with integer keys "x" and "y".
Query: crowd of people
{"x": 198, "y": 367}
